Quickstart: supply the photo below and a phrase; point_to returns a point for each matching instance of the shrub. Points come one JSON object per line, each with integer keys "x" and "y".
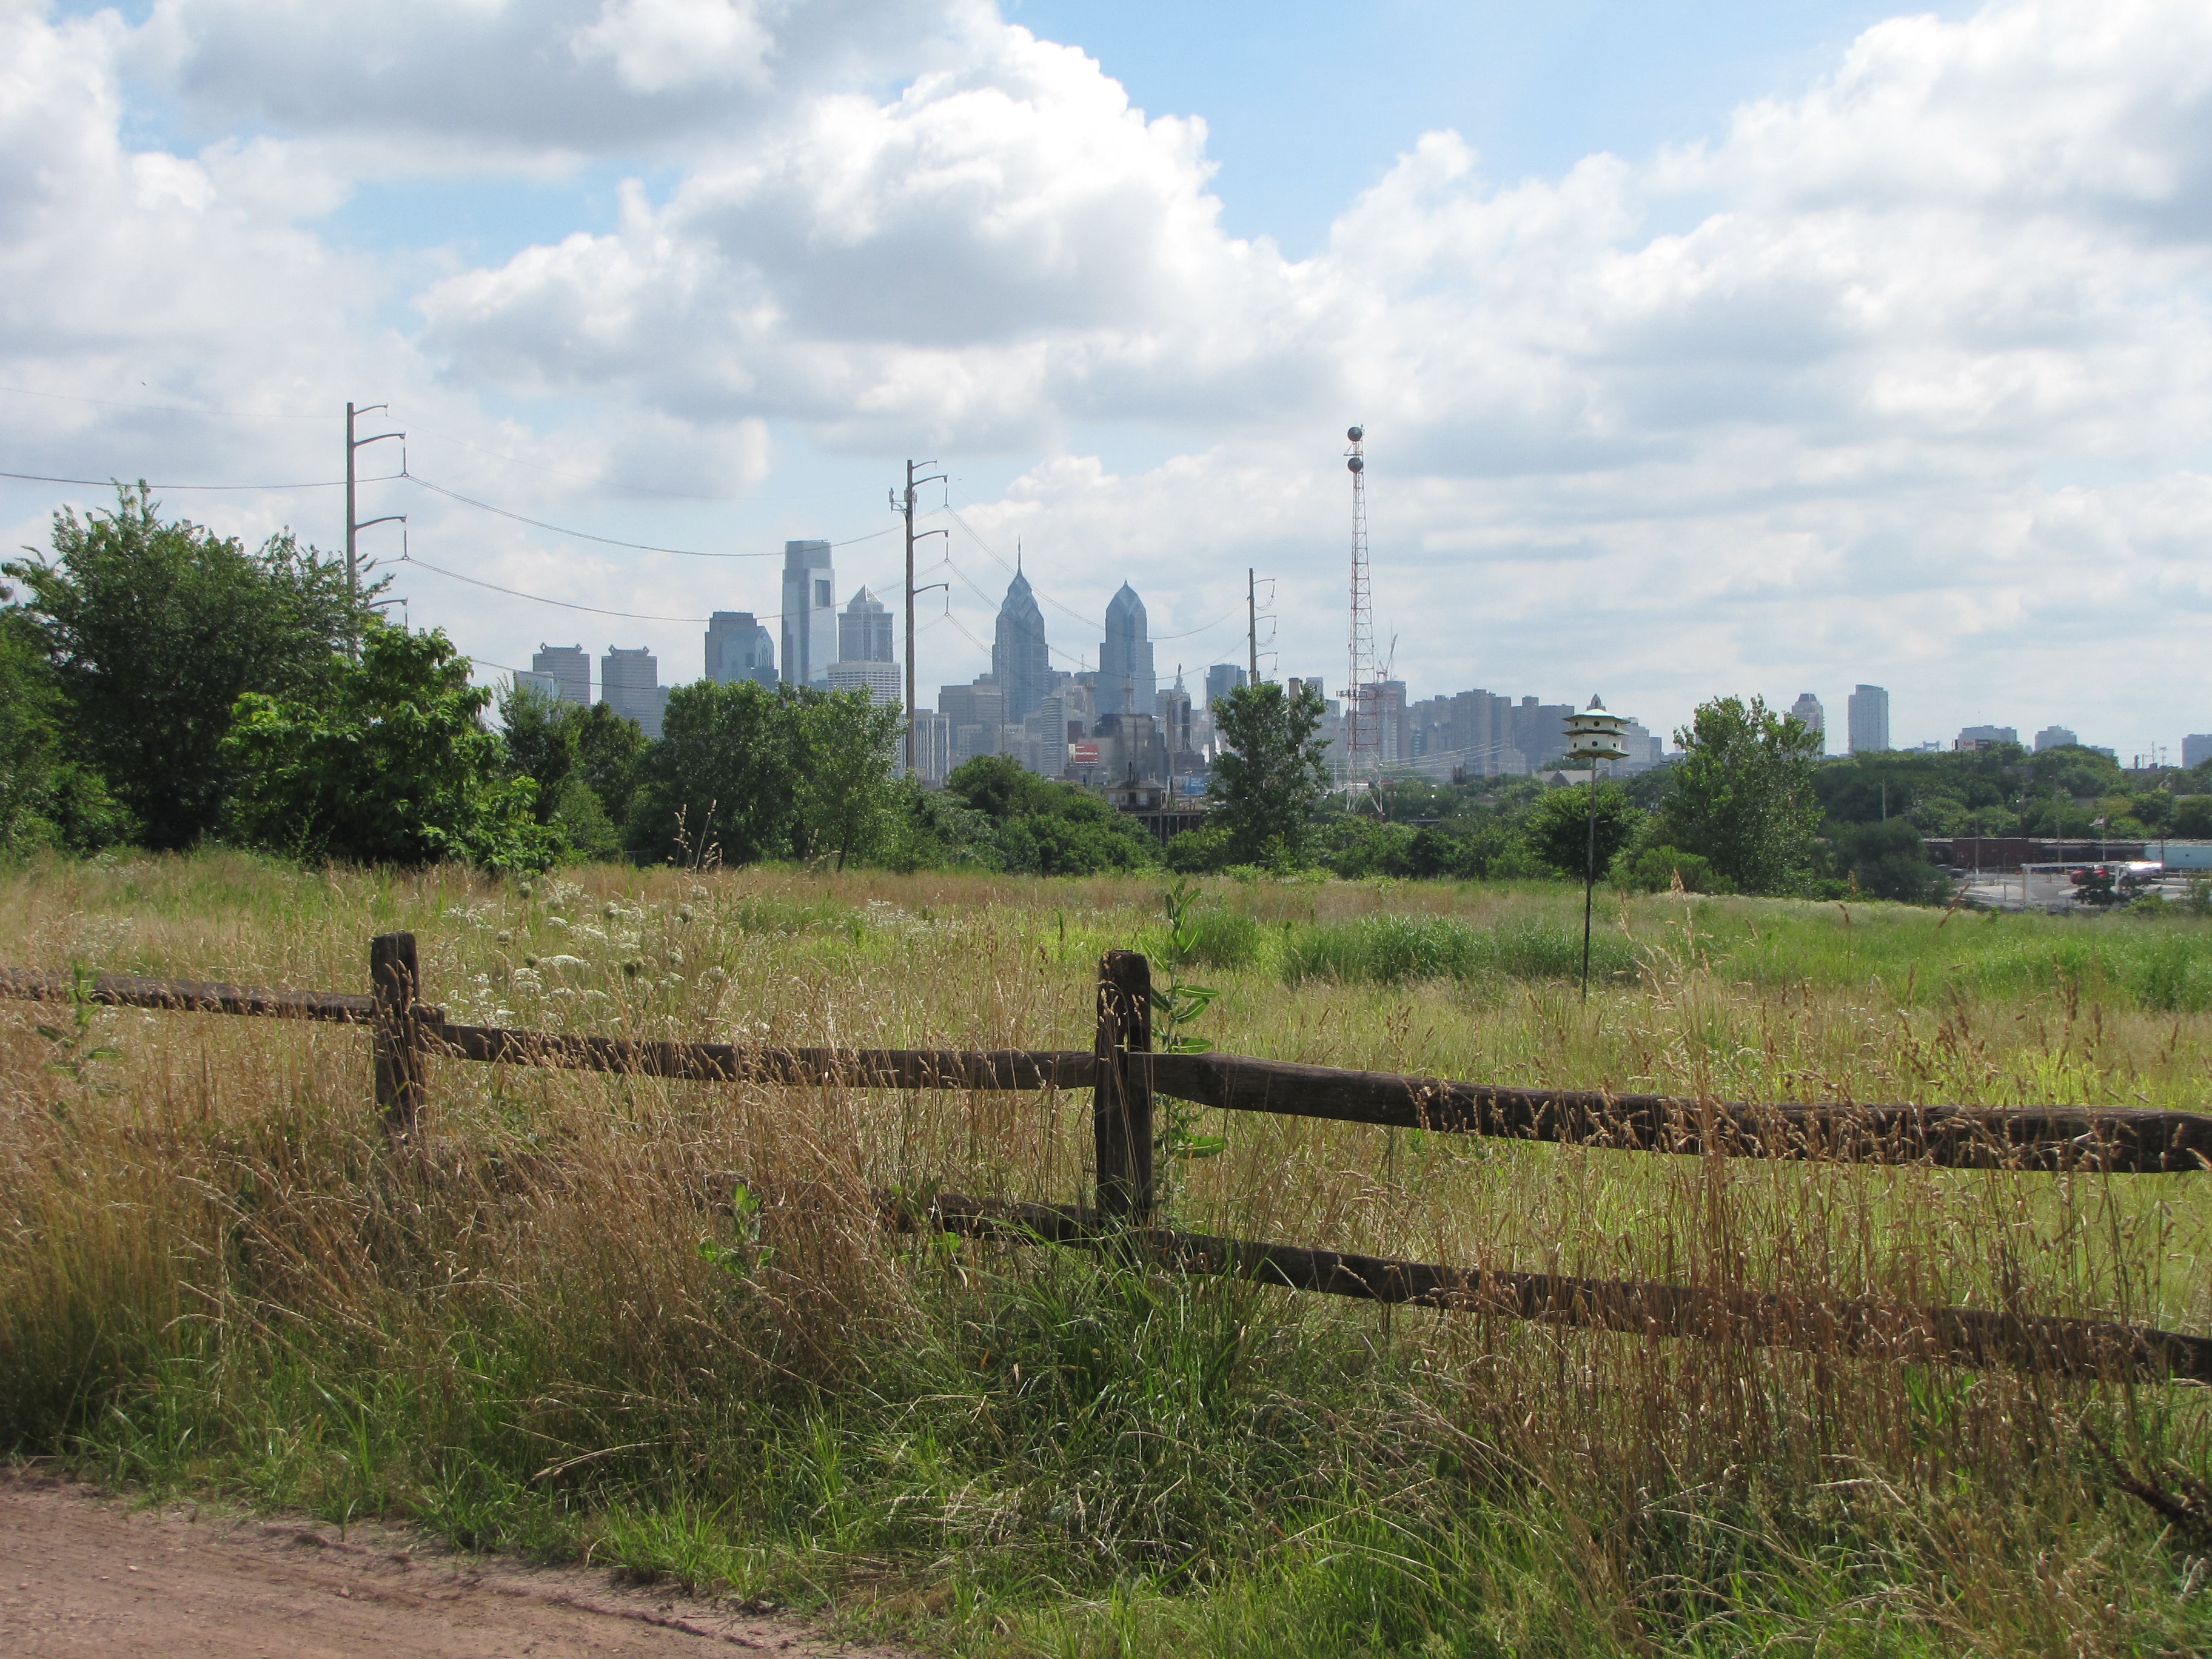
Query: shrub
{"x": 1656, "y": 869}
{"x": 1887, "y": 861}
{"x": 1200, "y": 852}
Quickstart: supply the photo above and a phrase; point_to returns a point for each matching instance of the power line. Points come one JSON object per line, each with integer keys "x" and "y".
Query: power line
{"x": 565, "y": 604}
{"x": 564, "y": 529}
{"x": 517, "y": 593}
{"x": 954, "y": 513}
{"x": 607, "y": 541}
{"x": 318, "y": 483}
{"x": 580, "y": 478}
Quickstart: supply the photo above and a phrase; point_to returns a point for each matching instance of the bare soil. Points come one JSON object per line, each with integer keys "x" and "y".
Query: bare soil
{"x": 84, "y": 1572}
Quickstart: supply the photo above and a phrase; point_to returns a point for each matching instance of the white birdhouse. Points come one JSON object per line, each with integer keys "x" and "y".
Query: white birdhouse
{"x": 1594, "y": 735}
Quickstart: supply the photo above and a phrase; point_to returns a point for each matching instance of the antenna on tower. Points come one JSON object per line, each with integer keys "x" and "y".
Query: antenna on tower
{"x": 1363, "y": 728}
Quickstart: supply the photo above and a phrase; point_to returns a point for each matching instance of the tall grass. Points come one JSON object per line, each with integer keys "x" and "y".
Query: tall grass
{"x": 547, "y": 1332}
{"x": 1388, "y": 950}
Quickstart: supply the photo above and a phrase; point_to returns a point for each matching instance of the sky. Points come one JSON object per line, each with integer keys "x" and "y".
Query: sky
{"x": 1701, "y": 348}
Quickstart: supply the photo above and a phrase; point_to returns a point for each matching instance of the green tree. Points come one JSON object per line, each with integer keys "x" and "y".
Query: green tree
{"x": 563, "y": 746}
{"x": 846, "y": 745}
{"x": 723, "y": 781}
{"x": 388, "y": 762}
{"x": 154, "y": 630}
{"x": 539, "y": 733}
{"x": 2193, "y": 818}
{"x": 1041, "y": 826}
{"x": 45, "y": 798}
{"x": 609, "y": 756}
{"x": 1559, "y": 829}
{"x": 1742, "y": 795}
{"x": 1270, "y": 782}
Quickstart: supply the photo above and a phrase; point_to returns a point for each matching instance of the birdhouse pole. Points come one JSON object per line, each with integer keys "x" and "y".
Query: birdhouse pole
{"x": 1592, "y": 735}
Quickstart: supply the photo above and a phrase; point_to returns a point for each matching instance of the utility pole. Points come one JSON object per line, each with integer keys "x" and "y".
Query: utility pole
{"x": 1363, "y": 708}
{"x": 903, "y": 502}
{"x": 1252, "y": 622}
{"x": 354, "y": 526}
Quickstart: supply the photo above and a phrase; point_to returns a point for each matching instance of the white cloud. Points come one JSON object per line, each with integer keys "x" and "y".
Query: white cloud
{"x": 526, "y": 83}
{"x": 1900, "y": 377}
{"x": 1004, "y": 246}
{"x": 657, "y": 44}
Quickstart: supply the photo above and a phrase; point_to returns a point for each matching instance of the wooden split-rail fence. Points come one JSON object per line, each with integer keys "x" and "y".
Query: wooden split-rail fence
{"x": 1125, "y": 1076}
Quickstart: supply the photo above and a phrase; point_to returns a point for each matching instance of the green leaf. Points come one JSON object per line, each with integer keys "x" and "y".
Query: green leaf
{"x": 1201, "y": 1146}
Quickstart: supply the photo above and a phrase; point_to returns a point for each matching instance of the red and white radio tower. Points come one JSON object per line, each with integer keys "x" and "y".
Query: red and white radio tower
{"x": 1363, "y": 726}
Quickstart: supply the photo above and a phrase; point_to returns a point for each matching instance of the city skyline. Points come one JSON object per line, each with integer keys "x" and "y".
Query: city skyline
{"x": 865, "y": 632}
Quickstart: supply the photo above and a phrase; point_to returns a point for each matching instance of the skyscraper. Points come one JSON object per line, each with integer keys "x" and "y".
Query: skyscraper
{"x": 570, "y": 668}
{"x": 864, "y": 630}
{"x": 1221, "y": 679}
{"x": 1866, "y": 717}
{"x": 740, "y": 648}
{"x": 1127, "y": 684}
{"x": 1809, "y": 713}
{"x": 810, "y": 613}
{"x": 629, "y": 684}
{"x": 1020, "y": 661}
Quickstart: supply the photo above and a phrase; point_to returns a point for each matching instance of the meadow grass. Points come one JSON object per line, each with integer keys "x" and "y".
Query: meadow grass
{"x": 544, "y": 1333}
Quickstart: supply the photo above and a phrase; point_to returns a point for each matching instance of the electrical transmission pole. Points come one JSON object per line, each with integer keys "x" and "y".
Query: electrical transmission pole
{"x": 1252, "y": 623}
{"x": 1363, "y": 735}
{"x": 354, "y": 526}
{"x": 904, "y": 502}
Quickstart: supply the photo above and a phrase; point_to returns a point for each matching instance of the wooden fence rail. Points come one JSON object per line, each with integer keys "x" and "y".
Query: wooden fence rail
{"x": 2114, "y": 1140}
{"x": 1125, "y": 1077}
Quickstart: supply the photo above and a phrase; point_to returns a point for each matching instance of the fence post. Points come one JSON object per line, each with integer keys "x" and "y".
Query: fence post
{"x": 395, "y": 983}
{"x": 1122, "y": 1098}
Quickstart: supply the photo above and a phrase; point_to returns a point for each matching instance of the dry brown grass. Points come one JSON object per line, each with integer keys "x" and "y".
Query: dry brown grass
{"x": 208, "y": 1270}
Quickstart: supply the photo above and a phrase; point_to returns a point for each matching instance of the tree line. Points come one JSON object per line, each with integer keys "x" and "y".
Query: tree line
{"x": 165, "y": 686}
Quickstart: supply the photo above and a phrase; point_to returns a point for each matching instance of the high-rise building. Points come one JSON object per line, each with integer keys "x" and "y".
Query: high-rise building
{"x": 740, "y": 648}
{"x": 810, "y": 613}
{"x": 880, "y": 680}
{"x": 1176, "y": 729}
{"x": 2059, "y": 736}
{"x": 864, "y": 631}
{"x": 1808, "y": 712}
{"x": 933, "y": 745}
{"x": 1867, "y": 719}
{"x": 1540, "y": 730}
{"x": 538, "y": 685}
{"x": 1221, "y": 679}
{"x": 1481, "y": 738}
{"x": 1127, "y": 684}
{"x": 571, "y": 670}
{"x": 1646, "y": 747}
{"x": 2195, "y": 748}
{"x": 1386, "y": 700}
{"x": 629, "y": 684}
{"x": 1983, "y": 737}
{"x": 1020, "y": 660}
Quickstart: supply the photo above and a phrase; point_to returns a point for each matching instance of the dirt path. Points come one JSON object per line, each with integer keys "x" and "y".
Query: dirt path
{"x": 82, "y": 1574}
